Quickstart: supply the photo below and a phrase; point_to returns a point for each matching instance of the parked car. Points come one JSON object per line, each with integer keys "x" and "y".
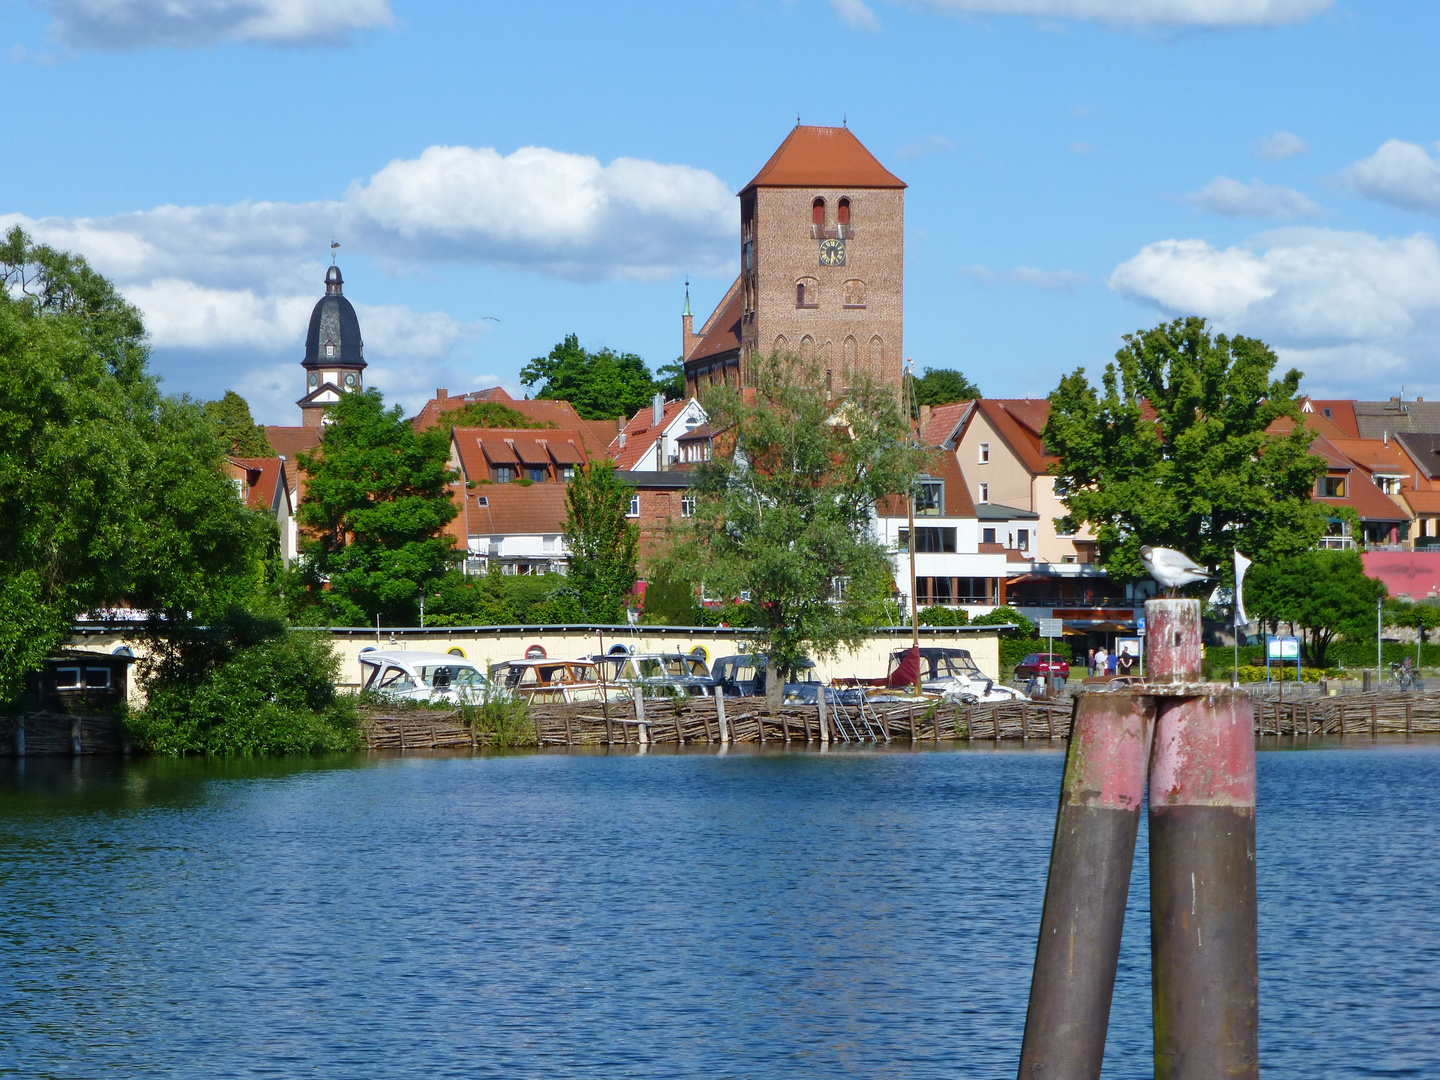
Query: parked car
{"x": 1110, "y": 682}
{"x": 662, "y": 674}
{"x": 1039, "y": 665}
{"x": 550, "y": 680}
{"x": 421, "y": 676}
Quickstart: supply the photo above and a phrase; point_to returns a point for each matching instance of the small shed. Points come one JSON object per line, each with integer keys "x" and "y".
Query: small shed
{"x": 77, "y": 682}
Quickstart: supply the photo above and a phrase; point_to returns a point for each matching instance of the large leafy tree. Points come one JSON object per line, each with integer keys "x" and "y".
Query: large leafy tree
{"x": 1324, "y": 593}
{"x": 1172, "y": 450}
{"x": 602, "y": 539}
{"x": 601, "y": 385}
{"x": 376, "y": 503}
{"x": 941, "y": 386}
{"x": 109, "y": 492}
{"x": 236, "y": 428}
{"x": 785, "y": 518}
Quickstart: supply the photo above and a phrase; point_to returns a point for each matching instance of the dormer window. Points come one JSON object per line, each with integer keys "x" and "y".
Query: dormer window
{"x": 329, "y": 348}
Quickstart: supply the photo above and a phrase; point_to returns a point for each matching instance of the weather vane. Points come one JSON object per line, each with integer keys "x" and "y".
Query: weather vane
{"x": 334, "y": 246}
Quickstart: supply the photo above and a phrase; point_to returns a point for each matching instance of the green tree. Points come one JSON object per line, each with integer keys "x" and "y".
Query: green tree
{"x": 1422, "y": 617}
{"x": 1324, "y": 593}
{"x": 236, "y": 428}
{"x": 603, "y": 541}
{"x": 1173, "y": 451}
{"x": 941, "y": 386}
{"x": 377, "y": 500}
{"x": 670, "y": 380}
{"x": 488, "y": 414}
{"x": 600, "y": 385}
{"x": 109, "y": 492}
{"x": 670, "y": 599}
{"x": 784, "y": 520}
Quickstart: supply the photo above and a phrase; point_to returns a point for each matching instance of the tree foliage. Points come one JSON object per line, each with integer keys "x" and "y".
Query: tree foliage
{"x": 1172, "y": 451}
{"x": 941, "y": 386}
{"x": 488, "y": 414}
{"x": 603, "y": 541}
{"x": 785, "y": 519}
{"x": 376, "y": 503}
{"x": 600, "y": 385}
{"x": 236, "y": 428}
{"x": 1324, "y": 593}
{"x": 109, "y": 492}
{"x": 498, "y": 599}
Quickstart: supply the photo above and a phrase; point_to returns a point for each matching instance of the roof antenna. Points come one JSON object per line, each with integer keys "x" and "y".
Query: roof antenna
{"x": 334, "y": 245}
{"x": 844, "y": 120}
{"x": 797, "y": 117}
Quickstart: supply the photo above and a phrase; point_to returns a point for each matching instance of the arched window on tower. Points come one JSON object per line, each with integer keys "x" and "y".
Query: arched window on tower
{"x": 842, "y": 216}
{"x": 817, "y": 212}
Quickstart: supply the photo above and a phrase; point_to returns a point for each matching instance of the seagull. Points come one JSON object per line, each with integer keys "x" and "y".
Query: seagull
{"x": 1171, "y": 568}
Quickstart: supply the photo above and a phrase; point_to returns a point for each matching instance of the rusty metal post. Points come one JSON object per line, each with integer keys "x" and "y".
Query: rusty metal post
{"x": 1205, "y": 975}
{"x": 1090, "y": 864}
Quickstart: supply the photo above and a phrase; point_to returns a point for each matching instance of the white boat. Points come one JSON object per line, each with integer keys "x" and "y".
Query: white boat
{"x": 422, "y": 676}
{"x": 553, "y": 680}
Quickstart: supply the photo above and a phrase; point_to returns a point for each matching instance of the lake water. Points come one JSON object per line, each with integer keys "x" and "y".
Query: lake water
{"x": 756, "y": 915}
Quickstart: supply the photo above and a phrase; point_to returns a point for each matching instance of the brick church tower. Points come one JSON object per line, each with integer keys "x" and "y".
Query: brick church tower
{"x": 821, "y": 267}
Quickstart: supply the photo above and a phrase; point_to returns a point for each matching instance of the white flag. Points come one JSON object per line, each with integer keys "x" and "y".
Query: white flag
{"x": 1241, "y": 565}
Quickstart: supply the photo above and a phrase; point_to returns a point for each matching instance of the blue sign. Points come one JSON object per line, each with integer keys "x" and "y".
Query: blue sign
{"x": 1140, "y": 624}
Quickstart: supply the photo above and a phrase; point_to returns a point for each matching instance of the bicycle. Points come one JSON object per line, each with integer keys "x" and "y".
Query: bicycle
{"x": 1405, "y": 678}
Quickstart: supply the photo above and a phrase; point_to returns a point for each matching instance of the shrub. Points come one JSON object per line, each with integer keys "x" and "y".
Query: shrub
{"x": 1002, "y": 615}
{"x": 272, "y": 696}
{"x": 943, "y": 616}
{"x": 504, "y": 719}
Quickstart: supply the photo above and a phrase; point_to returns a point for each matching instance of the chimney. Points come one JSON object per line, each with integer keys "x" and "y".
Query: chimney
{"x": 662, "y": 462}
{"x": 657, "y": 405}
{"x": 924, "y": 416}
{"x": 620, "y": 422}
{"x": 441, "y": 394}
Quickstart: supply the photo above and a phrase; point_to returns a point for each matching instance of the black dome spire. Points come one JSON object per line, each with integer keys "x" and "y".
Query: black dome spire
{"x": 334, "y": 336}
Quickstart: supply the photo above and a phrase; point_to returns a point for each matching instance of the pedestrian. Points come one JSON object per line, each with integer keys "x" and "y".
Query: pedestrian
{"x": 1090, "y": 663}
{"x": 1126, "y": 662}
{"x": 1101, "y": 660}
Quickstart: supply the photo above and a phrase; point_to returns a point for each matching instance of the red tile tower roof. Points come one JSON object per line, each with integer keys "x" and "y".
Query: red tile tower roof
{"x": 828, "y": 157}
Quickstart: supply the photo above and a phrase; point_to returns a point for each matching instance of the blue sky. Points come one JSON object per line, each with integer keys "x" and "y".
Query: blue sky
{"x": 1078, "y": 169}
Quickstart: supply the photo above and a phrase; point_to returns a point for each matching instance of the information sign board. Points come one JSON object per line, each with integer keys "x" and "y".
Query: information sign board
{"x": 1282, "y": 648}
{"x": 1050, "y": 628}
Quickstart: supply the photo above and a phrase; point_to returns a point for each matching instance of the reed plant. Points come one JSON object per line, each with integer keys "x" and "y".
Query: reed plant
{"x": 500, "y": 720}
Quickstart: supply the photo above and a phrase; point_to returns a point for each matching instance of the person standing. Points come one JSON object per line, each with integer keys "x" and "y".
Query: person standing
{"x": 1101, "y": 660}
{"x": 1126, "y": 663}
{"x": 1090, "y": 663}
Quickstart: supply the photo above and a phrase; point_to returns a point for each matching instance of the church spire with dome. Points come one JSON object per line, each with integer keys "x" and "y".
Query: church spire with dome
{"x": 334, "y": 351}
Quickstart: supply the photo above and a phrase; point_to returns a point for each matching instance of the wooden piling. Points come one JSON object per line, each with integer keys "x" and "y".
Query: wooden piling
{"x": 720, "y": 717}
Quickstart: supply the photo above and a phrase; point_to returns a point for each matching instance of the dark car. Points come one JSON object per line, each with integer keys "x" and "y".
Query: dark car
{"x": 1039, "y": 665}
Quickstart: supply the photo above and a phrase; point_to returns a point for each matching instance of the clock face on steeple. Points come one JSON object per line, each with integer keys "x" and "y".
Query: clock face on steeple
{"x": 832, "y": 252}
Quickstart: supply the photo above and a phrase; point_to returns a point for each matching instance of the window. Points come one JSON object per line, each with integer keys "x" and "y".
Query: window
{"x": 547, "y": 543}
{"x": 634, "y": 509}
{"x": 538, "y": 474}
{"x": 987, "y": 536}
{"x": 482, "y": 500}
{"x": 930, "y": 498}
{"x": 97, "y": 678}
{"x": 1067, "y": 558}
{"x": 984, "y": 493}
{"x": 1332, "y": 487}
{"x": 932, "y": 540}
{"x": 817, "y": 212}
{"x": 1390, "y": 485}
{"x": 984, "y": 453}
{"x": 1328, "y": 414}
{"x": 329, "y": 348}
{"x": 567, "y": 473}
{"x": 1022, "y": 539}
{"x": 687, "y": 506}
{"x": 749, "y": 254}
{"x": 504, "y": 474}
{"x": 843, "y": 212}
{"x": 807, "y": 293}
{"x": 902, "y": 542}
{"x": 67, "y": 678}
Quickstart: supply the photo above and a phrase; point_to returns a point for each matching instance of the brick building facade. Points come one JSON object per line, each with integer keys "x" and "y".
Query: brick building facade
{"x": 821, "y": 268}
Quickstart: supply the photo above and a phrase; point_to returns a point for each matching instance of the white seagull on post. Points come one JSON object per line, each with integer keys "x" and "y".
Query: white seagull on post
{"x": 1171, "y": 568}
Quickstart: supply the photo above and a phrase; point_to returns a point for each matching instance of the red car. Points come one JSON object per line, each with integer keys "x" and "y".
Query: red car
{"x": 1039, "y": 665}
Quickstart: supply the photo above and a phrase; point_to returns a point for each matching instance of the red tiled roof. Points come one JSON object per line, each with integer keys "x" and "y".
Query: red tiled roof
{"x": 641, "y": 433}
{"x": 944, "y": 419}
{"x": 515, "y": 509}
{"x": 1376, "y": 456}
{"x": 942, "y": 466}
{"x": 1421, "y": 502}
{"x": 262, "y": 479}
{"x": 1361, "y": 494}
{"x": 827, "y": 157}
{"x": 1342, "y": 417}
{"x": 1019, "y": 421}
{"x": 480, "y": 448}
{"x": 720, "y": 333}
{"x": 289, "y": 442}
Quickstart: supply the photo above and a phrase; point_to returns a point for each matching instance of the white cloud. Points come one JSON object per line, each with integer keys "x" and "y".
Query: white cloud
{"x": 1054, "y": 280}
{"x": 856, "y": 13}
{"x": 182, "y": 314}
{"x": 1399, "y": 173}
{"x": 131, "y": 24}
{"x": 1218, "y": 13}
{"x": 1354, "y": 305}
{"x": 1278, "y": 147}
{"x": 1231, "y": 198}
